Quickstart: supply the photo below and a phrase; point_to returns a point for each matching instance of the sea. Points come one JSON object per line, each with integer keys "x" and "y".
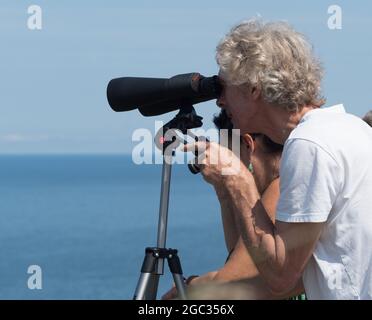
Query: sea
{"x": 76, "y": 226}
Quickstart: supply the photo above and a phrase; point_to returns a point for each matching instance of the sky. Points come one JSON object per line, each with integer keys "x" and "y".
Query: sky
{"x": 53, "y": 81}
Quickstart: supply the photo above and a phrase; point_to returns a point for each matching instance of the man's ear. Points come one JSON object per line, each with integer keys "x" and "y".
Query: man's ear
{"x": 256, "y": 93}
{"x": 249, "y": 142}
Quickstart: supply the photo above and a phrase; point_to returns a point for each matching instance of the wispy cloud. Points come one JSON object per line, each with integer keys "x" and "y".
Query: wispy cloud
{"x": 19, "y": 137}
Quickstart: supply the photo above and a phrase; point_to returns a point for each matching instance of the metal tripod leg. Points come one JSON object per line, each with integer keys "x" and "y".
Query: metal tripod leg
{"x": 176, "y": 270}
{"x": 147, "y": 287}
{"x": 148, "y": 282}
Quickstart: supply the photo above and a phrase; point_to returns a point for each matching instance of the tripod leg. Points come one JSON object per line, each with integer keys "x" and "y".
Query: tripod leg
{"x": 147, "y": 285}
{"x": 142, "y": 285}
{"x": 180, "y": 285}
{"x": 152, "y": 286}
{"x": 176, "y": 270}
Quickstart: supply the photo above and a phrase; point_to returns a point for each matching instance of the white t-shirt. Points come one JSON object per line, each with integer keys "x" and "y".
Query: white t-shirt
{"x": 326, "y": 176}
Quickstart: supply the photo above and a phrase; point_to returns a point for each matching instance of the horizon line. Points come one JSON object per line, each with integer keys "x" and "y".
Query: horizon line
{"x": 65, "y": 154}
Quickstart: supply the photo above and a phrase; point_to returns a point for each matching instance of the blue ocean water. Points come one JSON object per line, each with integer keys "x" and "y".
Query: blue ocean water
{"x": 86, "y": 220}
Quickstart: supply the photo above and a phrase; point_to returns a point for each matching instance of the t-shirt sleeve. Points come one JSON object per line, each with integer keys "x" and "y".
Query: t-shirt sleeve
{"x": 309, "y": 182}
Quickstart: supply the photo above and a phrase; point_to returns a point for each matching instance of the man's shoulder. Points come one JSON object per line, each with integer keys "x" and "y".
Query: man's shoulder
{"x": 326, "y": 128}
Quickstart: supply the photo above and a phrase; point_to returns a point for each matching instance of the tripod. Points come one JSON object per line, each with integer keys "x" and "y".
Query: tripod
{"x": 153, "y": 263}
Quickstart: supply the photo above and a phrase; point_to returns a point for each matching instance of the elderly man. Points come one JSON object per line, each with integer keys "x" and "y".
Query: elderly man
{"x": 322, "y": 236}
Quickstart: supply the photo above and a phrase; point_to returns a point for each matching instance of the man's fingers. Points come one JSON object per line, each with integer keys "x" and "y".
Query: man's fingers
{"x": 195, "y": 147}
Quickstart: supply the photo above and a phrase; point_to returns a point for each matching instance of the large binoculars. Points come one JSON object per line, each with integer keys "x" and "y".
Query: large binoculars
{"x": 155, "y": 96}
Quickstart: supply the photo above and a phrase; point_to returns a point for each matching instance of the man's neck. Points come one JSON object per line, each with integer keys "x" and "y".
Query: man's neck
{"x": 281, "y": 122}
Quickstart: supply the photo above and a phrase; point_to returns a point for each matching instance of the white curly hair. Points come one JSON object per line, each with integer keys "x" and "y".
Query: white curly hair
{"x": 276, "y": 59}
{"x": 368, "y": 118}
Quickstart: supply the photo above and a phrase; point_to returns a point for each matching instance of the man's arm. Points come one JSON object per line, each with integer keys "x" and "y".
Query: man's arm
{"x": 229, "y": 219}
{"x": 230, "y": 229}
{"x": 280, "y": 251}
{"x": 240, "y": 264}
{"x": 247, "y": 289}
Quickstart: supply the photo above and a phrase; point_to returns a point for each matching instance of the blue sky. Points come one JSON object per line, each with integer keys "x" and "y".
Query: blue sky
{"x": 53, "y": 81}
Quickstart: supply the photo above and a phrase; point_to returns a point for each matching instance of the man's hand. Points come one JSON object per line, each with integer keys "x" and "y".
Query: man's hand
{"x": 217, "y": 163}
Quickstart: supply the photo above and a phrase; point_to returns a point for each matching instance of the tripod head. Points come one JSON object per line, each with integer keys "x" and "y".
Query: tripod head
{"x": 185, "y": 119}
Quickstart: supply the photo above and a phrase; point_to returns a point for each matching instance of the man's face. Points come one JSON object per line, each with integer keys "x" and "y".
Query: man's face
{"x": 239, "y": 105}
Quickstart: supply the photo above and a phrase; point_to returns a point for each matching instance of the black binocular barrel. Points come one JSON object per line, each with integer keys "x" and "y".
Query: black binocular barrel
{"x": 154, "y": 96}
